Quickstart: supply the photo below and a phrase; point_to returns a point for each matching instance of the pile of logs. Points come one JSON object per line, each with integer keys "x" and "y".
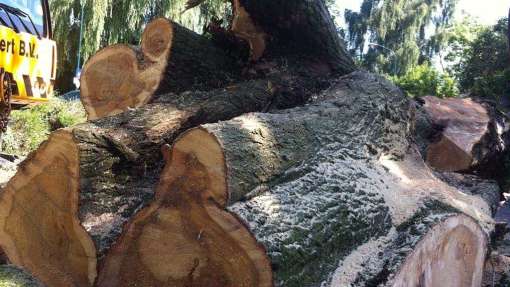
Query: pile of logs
{"x": 197, "y": 168}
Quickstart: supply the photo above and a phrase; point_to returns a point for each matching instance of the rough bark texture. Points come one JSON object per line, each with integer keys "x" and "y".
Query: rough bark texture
{"x": 332, "y": 214}
{"x": 301, "y": 27}
{"x": 196, "y": 64}
{"x": 90, "y": 179}
{"x": 312, "y": 184}
{"x": 487, "y": 189}
{"x": 171, "y": 59}
{"x": 16, "y": 277}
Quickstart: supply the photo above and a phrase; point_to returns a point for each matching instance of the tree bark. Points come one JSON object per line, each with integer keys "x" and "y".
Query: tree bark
{"x": 171, "y": 58}
{"x": 90, "y": 179}
{"x": 13, "y": 276}
{"x": 298, "y": 39}
{"x": 311, "y": 185}
{"x": 302, "y": 27}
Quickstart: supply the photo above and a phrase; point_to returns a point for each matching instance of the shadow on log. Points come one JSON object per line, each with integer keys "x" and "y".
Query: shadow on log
{"x": 70, "y": 199}
{"x": 330, "y": 193}
{"x": 313, "y": 186}
{"x": 171, "y": 59}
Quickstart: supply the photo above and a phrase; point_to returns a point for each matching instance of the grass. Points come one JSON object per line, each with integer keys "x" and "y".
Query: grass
{"x": 31, "y": 125}
{"x": 11, "y": 276}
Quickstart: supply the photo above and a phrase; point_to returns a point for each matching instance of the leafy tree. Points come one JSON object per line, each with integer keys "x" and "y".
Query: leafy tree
{"x": 115, "y": 21}
{"x": 450, "y": 43}
{"x": 483, "y": 68}
{"x": 399, "y": 28}
{"x": 424, "y": 80}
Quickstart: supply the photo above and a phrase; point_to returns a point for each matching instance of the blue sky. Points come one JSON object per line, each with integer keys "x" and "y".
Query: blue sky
{"x": 487, "y": 11}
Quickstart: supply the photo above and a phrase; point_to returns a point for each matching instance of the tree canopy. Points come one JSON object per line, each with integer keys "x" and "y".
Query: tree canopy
{"x": 115, "y": 21}
{"x": 484, "y": 68}
{"x": 399, "y": 31}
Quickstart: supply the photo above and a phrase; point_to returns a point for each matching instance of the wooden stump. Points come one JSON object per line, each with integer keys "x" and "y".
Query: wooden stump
{"x": 312, "y": 185}
{"x": 70, "y": 199}
{"x": 467, "y": 135}
{"x": 170, "y": 59}
{"x": 39, "y": 217}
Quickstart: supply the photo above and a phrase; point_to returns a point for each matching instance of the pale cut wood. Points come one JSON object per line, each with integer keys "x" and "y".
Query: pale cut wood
{"x": 243, "y": 27}
{"x": 465, "y": 124}
{"x": 171, "y": 59}
{"x": 85, "y": 183}
{"x": 308, "y": 184}
{"x": 39, "y": 227}
{"x": 185, "y": 238}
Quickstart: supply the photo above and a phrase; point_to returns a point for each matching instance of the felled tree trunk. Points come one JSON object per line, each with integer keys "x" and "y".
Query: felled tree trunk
{"x": 285, "y": 198}
{"x": 462, "y": 135}
{"x": 174, "y": 59}
{"x": 70, "y": 199}
{"x": 171, "y": 58}
{"x": 302, "y": 28}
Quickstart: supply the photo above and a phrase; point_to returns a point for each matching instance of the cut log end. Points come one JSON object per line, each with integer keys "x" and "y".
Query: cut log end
{"x": 451, "y": 254}
{"x": 40, "y": 230}
{"x": 157, "y": 39}
{"x": 119, "y": 77}
{"x": 447, "y": 156}
{"x": 103, "y": 92}
{"x": 186, "y": 237}
{"x": 243, "y": 27}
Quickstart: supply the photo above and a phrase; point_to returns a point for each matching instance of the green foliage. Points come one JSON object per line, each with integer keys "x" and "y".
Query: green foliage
{"x": 108, "y": 22}
{"x": 457, "y": 37}
{"x": 398, "y": 27}
{"x": 11, "y": 276}
{"x": 424, "y": 80}
{"x": 494, "y": 86}
{"x": 30, "y": 126}
{"x": 483, "y": 63}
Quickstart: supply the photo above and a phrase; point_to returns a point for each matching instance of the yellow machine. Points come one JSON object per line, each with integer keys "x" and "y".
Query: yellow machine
{"x": 27, "y": 54}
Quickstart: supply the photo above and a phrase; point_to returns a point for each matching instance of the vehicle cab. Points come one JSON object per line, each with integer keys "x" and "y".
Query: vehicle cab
{"x": 27, "y": 53}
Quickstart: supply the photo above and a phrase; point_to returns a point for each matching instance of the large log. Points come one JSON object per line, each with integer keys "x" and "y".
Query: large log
{"x": 171, "y": 58}
{"x": 70, "y": 199}
{"x": 463, "y": 135}
{"x": 301, "y": 28}
{"x": 308, "y": 188}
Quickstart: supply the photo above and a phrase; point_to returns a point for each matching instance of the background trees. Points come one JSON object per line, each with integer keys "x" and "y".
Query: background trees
{"x": 426, "y": 80}
{"x": 410, "y": 39}
{"x": 115, "y": 21}
{"x": 483, "y": 67}
{"x": 402, "y": 30}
